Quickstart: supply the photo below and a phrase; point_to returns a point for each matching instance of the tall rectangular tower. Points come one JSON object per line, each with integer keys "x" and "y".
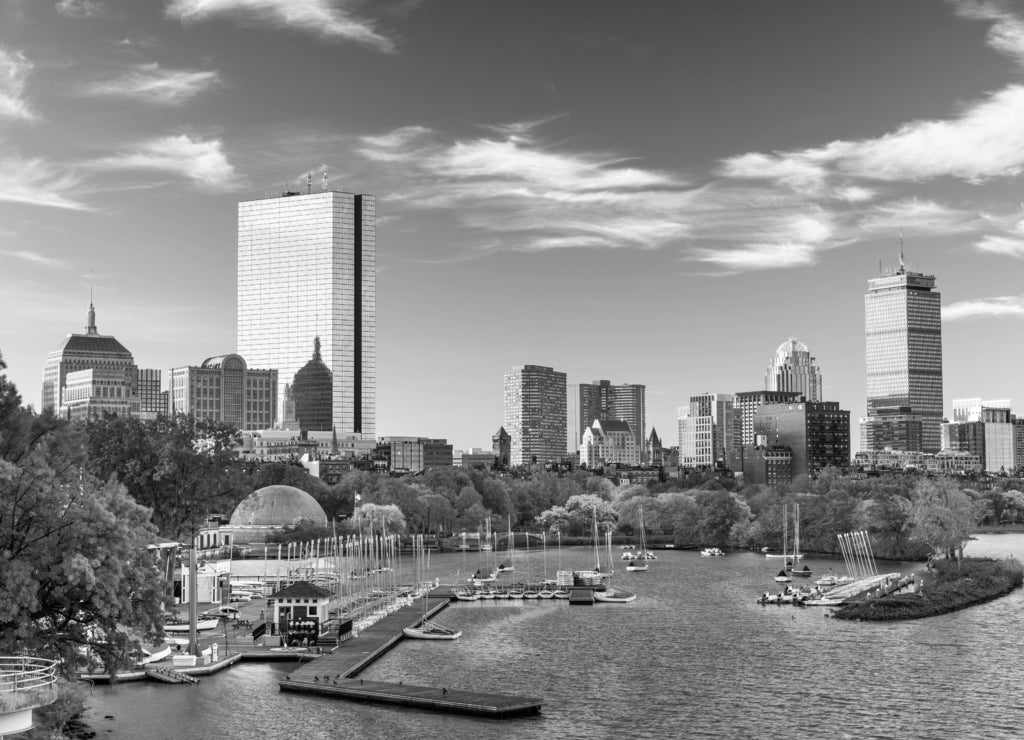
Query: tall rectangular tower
{"x": 602, "y": 400}
{"x": 307, "y": 269}
{"x": 903, "y": 328}
{"x": 534, "y": 411}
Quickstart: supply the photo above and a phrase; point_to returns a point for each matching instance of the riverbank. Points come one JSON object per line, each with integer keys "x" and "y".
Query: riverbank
{"x": 943, "y": 589}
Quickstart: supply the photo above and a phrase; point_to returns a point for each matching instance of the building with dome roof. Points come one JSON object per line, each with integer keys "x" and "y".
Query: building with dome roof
{"x": 90, "y": 374}
{"x": 793, "y": 369}
{"x": 312, "y": 394}
{"x": 263, "y": 512}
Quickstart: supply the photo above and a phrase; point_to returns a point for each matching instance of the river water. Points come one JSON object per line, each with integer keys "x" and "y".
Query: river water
{"x": 693, "y": 657}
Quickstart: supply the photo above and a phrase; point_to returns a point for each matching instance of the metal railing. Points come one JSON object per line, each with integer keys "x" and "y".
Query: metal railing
{"x": 26, "y": 682}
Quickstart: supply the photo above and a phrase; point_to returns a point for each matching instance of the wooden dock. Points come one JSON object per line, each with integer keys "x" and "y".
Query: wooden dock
{"x": 333, "y": 674}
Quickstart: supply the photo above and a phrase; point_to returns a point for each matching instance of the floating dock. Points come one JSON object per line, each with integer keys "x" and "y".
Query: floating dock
{"x": 333, "y": 674}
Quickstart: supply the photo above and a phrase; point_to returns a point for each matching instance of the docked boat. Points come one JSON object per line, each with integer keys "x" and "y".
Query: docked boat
{"x": 201, "y": 625}
{"x": 428, "y": 630}
{"x": 466, "y": 594}
{"x": 614, "y": 596}
{"x": 711, "y": 552}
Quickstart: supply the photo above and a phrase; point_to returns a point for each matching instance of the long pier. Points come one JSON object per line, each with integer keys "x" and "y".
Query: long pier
{"x": 334, "y": 673}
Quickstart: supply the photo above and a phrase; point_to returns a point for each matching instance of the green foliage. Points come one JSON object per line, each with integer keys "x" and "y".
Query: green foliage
{"x": 76, "y": 579}
{"x": 181, "y": 468}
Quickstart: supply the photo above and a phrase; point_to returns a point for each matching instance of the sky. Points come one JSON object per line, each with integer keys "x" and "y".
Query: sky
{"x": 657, "y": 192}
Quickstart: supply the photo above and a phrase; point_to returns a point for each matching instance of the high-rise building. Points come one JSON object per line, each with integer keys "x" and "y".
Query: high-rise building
{"x": 534, "y": 414}
{"x": 89, "y": 351}
{"x": 609, "y": 442}
{"x": 602, "y": 400}
{"x": 307, "y": 268}
{"x": 708, "y": 430}
{"x": 793, "y": 369}
{"x": 225, "y": 389}
{"x": 152, "y": 400}
{"x": 903, "y": 329}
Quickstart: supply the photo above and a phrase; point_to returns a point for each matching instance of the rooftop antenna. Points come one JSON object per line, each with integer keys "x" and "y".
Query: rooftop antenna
{"x": 324, "y": 186}
{"x": 902, "y": 268}
{"x": 309, "y": 182}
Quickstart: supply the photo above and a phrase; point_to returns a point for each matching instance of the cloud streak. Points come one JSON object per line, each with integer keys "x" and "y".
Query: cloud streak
{"x": 510, "y": 183}
{"x": 154, "y": 84}
{"x": 39, "y": 183}
{"x": 15, "y": 68}
{"x": 202, "y": 161}
{"x": 998, "y": 307}
{"x": 36, "y": 258}
{"x": 321, "y": 17}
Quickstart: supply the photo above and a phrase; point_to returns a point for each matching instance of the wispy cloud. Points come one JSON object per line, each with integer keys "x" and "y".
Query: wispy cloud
{"x": 202, "y": 161}
{"x": 154, "y": 84}
{"x": 999, "y": 307}
{"x": 538, "y": 196}
{"x": 1007, "y": 32}
{"x": 36, "y": 258}
{"x": 919, "y": 217}
{"x": 321, "y": 17}
{"x": 38, "y": 182}
{"x": 81, "y": 8}
{"x": 1000, "y": 244}
{"x": 14, "y": 71}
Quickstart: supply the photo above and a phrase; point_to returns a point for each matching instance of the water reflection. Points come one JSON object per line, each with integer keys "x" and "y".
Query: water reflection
{"x": 694, "y": 656}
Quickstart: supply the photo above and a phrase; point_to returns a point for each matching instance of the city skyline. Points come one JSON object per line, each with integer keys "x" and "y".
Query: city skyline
{"x": 696, "y": 181}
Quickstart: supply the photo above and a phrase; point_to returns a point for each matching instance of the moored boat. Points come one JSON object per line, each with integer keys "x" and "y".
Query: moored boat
{"x": 614, "y": 596}
{"x": 428, "y": 630}
{"x": 201, "y": 625}
{"x": 711, "y": 552}
{"x": 783, "y": 577}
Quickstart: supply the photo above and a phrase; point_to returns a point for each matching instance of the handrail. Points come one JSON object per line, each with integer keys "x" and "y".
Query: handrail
{"x": 25, "y": 673}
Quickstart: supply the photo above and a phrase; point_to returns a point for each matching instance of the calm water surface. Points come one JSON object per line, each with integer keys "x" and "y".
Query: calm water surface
{"x": 692, "y": 657}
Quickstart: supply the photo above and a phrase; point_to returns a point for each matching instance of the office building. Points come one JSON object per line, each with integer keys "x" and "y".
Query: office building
{"x": 411, "y": 454}
{"x": 534, "y": 414}
{"x": 307, "y": 268}
{"x": 92, "y": 393}
{"x": 152, "y": 400}
{"x": 225, "y": 389}
{"x": 89, "y": 351}
{"x": 602, "y": 400}
{"x": 990, "y": 432}
{"x": 708, "y": 430}
{"x": 817, "y": 433}
{"x": 793, "y": 369}
{"x": 903, "y": 330}
{"x": 747, "y": 403}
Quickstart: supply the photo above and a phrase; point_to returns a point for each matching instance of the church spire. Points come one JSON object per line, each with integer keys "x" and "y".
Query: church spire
{"x": 90, "y": 327}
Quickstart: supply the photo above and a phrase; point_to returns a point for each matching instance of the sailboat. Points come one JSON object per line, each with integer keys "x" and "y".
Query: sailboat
{"x": 796, "y": 554}
{"x": 609, "y": 594}
{"x": 427, "y": 630}
{"x": 640, "y": 565}
{"x": 545, "y": 589}
{"x": 791, "y": 564}
{"x": 511, "y": 563}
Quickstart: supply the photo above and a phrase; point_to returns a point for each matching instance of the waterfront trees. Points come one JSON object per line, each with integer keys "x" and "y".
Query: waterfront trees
{"x": 76, "y": 579}
{"x": 943, "y": 516}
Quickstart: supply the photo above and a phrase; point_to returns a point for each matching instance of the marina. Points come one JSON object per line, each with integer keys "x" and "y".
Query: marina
{"x": 707, "y": 624}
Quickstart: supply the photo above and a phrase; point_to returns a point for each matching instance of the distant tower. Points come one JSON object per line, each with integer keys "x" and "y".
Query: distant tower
{"x": 502, "y": 447}
{"x": 903, "y": 329}
{"x": 793, "y": 369}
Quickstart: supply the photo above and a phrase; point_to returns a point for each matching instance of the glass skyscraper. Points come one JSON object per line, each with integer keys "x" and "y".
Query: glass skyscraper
{"x": 307, "y": 269}
{"x": 903, "y": 322}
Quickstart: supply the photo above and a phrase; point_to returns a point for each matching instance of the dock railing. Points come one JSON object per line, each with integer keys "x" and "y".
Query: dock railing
{"x": 26, "y": 683}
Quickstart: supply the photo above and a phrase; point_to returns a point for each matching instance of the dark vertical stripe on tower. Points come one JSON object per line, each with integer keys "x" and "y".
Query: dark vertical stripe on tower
{"x": 357, "y": 289}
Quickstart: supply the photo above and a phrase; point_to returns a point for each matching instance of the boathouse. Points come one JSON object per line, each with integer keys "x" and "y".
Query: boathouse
{"x": 298, "y": 611}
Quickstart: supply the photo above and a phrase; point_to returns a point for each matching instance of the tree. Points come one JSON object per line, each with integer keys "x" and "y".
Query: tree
{"x": 943, "y": 516}
{"x": 77, "y": 582}
{"x": 182, "y": 468}
{"x": 376, "y": 518}
{"x": 717, "y": 513}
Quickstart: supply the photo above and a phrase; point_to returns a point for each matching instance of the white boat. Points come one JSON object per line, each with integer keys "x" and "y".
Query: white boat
{"x": 629, "y": 555}
{"x": 791, "y": 564}
{"x": 639, "y": 564}
{"x": 783, "y": 577}
{"x": 201, "y": 625}
{"x": 428, "y": 630}
{"x": 795, "y": 555}
{"x": 614, "y": 596}
{"x": 711, "y": 552}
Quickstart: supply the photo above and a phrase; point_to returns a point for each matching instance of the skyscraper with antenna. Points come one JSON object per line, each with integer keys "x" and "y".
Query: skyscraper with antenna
{"x": 903, "y": 332}
{"x": 307, "y": 269}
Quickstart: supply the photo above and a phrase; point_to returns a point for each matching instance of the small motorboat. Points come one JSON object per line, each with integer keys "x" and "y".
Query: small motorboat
{"x": 431, "y": 631}
{"x": 711, "y": 552}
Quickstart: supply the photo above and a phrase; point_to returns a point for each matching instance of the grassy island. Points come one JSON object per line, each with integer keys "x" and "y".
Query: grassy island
{"x": 946, "y": 588}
